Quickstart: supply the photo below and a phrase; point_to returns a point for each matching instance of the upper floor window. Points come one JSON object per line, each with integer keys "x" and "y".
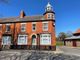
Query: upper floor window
{"x": 45, "y": 26}
{"x": 7, "y": 27}
{"x": 0, "y": 26}
{"x": 23, "y": 27}
{"x": 33, "y": 26}
{"x": 50, "y": 16}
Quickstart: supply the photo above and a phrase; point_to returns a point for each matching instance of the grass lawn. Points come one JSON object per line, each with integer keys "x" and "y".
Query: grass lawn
{"x": 59, "y": 43}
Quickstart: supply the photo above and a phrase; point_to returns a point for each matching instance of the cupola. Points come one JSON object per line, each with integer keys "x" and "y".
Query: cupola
{"x": 48, "y": 7}
{"x": 49, "y": 13}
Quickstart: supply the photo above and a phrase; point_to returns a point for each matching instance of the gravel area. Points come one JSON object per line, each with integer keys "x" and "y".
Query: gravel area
{"x": 34, "y": 55}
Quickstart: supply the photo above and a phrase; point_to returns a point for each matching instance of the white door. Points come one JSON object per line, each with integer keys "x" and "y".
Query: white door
{"x": 34, "y": 42}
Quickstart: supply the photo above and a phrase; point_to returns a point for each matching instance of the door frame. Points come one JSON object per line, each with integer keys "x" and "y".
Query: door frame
{"x": 35, "y": 45}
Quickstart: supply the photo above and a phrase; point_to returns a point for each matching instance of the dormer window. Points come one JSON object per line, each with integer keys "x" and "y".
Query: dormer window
{"x": 7, "y": 27}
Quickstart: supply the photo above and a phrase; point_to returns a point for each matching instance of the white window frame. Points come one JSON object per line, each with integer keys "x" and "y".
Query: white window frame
{"x": 33, "y": 26}
{"x": 23, "y": 27}
{"x": 45, "y": 39}
{"x": 0, "y": 26}
{"x": 6, "y": 40}
{"x": 22, "y": 41}
{"x": 43, "y": 26}
{"x": 6, "y": 27}
{"x": 50, "y": 16}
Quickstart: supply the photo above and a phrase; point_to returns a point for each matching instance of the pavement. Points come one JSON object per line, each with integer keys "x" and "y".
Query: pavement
{"x": 61, "y": 53}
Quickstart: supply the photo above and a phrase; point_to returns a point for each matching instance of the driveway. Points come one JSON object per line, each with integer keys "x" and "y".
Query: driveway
{"x": 70, "y": 50}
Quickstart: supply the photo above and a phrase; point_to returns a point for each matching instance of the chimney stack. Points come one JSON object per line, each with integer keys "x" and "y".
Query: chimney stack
{"x": 22, "y": 14}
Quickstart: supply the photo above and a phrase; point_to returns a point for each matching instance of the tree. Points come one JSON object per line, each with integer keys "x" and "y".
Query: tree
{"x": 62, "y": 36}
{"x": 69, "y": 34}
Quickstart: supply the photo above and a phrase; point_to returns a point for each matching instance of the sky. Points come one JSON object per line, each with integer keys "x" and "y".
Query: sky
{"x": 67, "y": 12}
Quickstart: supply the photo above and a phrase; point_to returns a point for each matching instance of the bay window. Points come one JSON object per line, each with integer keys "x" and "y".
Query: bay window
{"x": 22, "y": 39}
{"x": 6, "y": 40}
{"x": 45, "y": 39}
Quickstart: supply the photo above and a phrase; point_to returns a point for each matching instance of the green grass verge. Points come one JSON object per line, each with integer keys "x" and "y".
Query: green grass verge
{"x": 59, "y": 43}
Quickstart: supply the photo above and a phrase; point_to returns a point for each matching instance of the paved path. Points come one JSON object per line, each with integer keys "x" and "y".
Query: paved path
{"x": 70, "y": 50}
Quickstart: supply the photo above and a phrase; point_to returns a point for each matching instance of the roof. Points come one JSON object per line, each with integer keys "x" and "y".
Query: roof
{"x": 73, "y": 37}
{"x": 48, "y": 5}
{"x": 26, "y": 18}
{"x": 77, "y": 31}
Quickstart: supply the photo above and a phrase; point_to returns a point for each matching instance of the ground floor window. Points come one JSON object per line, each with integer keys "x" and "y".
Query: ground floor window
{"x": 45, "y": 39}
{"x": 6, "y": 40}
{"x": 22, "y": 39}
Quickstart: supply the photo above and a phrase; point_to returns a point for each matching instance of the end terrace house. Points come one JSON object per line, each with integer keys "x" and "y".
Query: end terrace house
{"x": 29, "y": 32}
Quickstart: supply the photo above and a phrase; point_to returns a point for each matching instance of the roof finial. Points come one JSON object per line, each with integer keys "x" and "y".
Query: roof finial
{"x": 48, "y": 7}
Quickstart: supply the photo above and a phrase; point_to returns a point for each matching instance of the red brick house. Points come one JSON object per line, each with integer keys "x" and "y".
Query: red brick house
{"x": 73, "y": 41}
{"x": 29, "y": 32}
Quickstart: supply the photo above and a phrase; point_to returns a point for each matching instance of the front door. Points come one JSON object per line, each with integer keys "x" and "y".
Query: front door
{"x": 34, "y": 42}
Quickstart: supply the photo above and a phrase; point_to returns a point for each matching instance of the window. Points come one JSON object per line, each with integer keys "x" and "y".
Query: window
{"x": 33, "y": 26}
{"x": 23, "y": 27}
{"x": 45, "y": 26}
{"x": 45, "y": 39}
{"x": 0, "y": 26}
{"x": 22, "y": 39}
{"x": 7, "y": 27}
{"x": 6, "y": 40}
{"x": 50, "y": 16}
{"x": 53, "y": 16}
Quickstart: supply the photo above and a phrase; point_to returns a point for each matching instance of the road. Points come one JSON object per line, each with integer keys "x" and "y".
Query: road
{"x": 69, "y": 53}
{"x": 70, "y": 50}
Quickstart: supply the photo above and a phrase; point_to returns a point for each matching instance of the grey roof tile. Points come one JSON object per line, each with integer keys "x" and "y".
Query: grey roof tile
{"x": 73, "y": 37}
{"x": 26, "y": 18}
